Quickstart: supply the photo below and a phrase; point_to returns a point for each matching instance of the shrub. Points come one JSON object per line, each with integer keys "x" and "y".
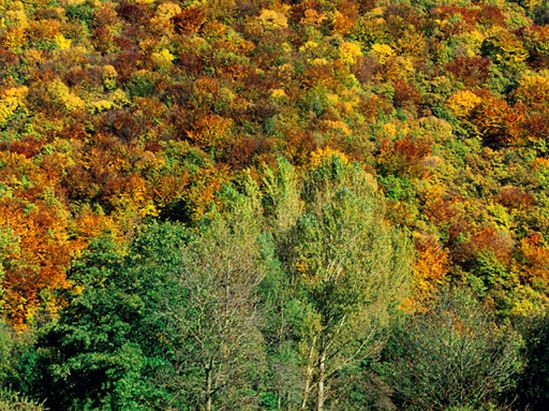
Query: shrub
{"x": 453, "y": 355}
{"x": 13, "y": 401}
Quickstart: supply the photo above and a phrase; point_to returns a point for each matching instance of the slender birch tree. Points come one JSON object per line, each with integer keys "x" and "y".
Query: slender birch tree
{"x": 348, "y": 266}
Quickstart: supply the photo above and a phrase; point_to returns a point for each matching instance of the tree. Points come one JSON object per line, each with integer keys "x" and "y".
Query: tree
{"x": 347, "y": 267}
{"x": 282, "y": 206}
{"x": 453, "y": 355}
{"x": 533, "y": 386}
{"x": 7, "y": 343}
{"x": 106, "y": 348}
{"x": 217, "y": 344}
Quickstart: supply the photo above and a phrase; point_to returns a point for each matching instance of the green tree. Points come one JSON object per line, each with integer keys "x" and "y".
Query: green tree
{"x": 347, "y": 266}
{"x": 105, "y": 350}
{"x": 282, "y": 313}
{"x": 216, "y": 336}
{"x": 452, "y": 356}
{"x": 6, "y": 349}
{"x": 533, "y": 387}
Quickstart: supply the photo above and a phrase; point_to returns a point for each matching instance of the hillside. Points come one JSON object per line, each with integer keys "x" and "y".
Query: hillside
{"x": 338, "y": 175}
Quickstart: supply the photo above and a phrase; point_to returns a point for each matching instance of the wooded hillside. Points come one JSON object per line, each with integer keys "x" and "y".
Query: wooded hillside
{"x": 267, "y": 204}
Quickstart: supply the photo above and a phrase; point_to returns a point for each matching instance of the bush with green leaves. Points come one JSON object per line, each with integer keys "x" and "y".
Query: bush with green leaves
{"x": 13, "y": 401}
{"x": 454, "y": 355}
{"x": 533, "y": 387}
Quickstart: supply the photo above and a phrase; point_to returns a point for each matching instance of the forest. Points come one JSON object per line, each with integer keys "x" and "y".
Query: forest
{"x": 225, "y": 205}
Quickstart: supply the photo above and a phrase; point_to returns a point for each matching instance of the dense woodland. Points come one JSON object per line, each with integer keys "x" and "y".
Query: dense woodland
{"x": 274, "y": 205}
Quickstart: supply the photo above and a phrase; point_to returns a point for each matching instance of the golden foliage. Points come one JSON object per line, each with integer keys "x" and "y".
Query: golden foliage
{"x": 10, "y": 100}
{"x": 62, "y": 94}
{"x": 313, "y": 17}
{"x": 210, "y": 131}
{"x": 534, "y": 88}
{"x": 163, "y": 59}
{"x": 15, "y": 23}
{"x": 349, "y": 52}
{"x": 463, "y": 103}
{"x": 188, "y": 21}
{"x": 431, "y": 265}
{"x": 536, "y": 255}
{"x": 323, "y": 155}
{"x": 112, "y": 112}
{"x": 273, "y": 19}
{"x": 507, "y": 48}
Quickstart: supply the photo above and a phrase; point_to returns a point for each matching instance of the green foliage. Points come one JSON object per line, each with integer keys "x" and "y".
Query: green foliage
{"x": 99, "y": 354}
{"x": 347, "y": 267}
{"x": 214, "y": 332}
{"x": 13, "y": 401}
{"x": 83, "y": 12}
{"x": 453, "y": 355}
{"x": 281, "y": 197}
{"x": 490, "y": 270}
{"x": 397, "y": 189}
{"x": 314, "y": 101}
{"x": 140, "y": 86}
{"x": 6, "y": 351}
{"x": 534, "y": 381}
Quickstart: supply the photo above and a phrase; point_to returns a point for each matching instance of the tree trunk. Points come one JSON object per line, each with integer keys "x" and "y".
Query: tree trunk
{"x": 321, "y": 377}
{"x": 307, "y": 388}
{"x": 308, "y": 376}
{"x": 208, "y": 389}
